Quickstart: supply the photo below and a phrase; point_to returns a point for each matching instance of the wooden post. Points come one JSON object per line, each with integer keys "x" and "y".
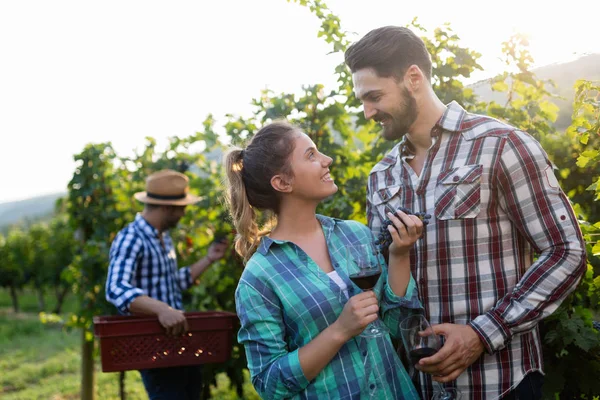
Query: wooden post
{"x": 87, "y": 367}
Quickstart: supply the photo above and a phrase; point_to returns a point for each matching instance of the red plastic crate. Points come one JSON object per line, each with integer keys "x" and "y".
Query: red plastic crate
{"x": 134, "y": 342}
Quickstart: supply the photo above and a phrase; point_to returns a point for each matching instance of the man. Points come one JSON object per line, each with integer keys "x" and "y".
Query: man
{"x": 495, "y": 203}
{"x": 143, "y": 277}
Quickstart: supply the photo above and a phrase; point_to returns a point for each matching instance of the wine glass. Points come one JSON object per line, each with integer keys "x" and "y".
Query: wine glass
{"x": 364, "y": 268}
{"x": 420, "y": 341}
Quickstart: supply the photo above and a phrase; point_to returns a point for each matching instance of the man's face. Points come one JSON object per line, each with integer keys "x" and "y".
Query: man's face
{"x": 172, "y": 215}
{"x": 387, "y": 101}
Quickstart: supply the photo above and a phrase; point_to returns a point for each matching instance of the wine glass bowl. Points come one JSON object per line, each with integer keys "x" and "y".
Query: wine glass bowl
{"x": 366, "y": 280}
{"x": 418, "y": 337}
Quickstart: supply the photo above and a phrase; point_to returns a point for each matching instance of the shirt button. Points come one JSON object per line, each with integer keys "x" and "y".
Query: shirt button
{"x": 563, "y": 217}
{"x": 372, "y": 386}
{"x": 456, "y": 179}
{"x": 364, "y": 353}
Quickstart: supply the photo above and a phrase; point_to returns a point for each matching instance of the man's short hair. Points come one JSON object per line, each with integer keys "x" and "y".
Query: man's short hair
{"x": 390, "y": 51}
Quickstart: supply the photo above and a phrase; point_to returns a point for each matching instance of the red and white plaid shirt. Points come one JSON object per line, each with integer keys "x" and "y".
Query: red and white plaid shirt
{"x": 495, "y": 202}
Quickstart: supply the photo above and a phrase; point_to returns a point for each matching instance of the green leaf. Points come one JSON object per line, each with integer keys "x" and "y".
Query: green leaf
{"x": 500, "y": 86}
{"x": 596, "y": 250}
{"x": 585, "y": 138}
{"x": 590, "y": 154}
{"x": 582, "y": 161}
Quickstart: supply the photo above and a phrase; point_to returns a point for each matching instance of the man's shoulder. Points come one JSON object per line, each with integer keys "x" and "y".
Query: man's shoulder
{"x": 476, "y": 126}
{"x": 129, "y": 233}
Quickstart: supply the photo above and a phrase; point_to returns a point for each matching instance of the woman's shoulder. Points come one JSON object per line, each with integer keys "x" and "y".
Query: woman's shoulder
{"x": 256, "y": 265}
{"x": 348, "y": 225}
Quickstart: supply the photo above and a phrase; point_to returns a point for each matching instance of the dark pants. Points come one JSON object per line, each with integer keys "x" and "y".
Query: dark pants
{"x": 530, "y": 388}
{"x": 175, "y": 383}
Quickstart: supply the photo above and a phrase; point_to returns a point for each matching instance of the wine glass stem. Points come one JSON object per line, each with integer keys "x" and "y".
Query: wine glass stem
{"x": 442, "y": 390}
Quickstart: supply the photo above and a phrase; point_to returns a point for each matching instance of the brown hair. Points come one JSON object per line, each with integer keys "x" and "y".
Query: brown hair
{"x": 249, "y": 173}
{"x": 390, "y": 51}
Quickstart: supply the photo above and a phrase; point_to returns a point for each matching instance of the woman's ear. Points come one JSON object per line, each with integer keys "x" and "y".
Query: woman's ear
{"x": 281, "y": 184}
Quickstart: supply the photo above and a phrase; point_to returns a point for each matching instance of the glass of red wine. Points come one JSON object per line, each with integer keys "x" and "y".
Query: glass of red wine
{"x": 364, "y": 268}
{"x": 420, "y": 341}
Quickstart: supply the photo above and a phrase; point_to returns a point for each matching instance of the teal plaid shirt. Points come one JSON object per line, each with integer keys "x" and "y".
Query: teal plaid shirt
{"x": 284, "y": 300}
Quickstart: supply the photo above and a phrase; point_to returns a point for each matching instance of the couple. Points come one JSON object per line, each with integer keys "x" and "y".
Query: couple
{"x": 494, "y": 201}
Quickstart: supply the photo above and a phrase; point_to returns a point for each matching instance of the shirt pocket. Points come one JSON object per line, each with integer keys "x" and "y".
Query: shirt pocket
{"x": 458, "y": 193}
{"x": 384, "y": 195}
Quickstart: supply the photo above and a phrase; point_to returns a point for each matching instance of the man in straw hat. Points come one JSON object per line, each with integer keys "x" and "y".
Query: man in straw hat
{"x": 143, "y": 277}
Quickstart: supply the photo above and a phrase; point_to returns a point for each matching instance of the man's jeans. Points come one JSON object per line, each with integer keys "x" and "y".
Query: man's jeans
{"x": 175, "y": 383}
{"x": 530, "y": 388}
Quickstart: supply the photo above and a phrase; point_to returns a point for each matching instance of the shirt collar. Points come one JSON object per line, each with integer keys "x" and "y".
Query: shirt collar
{"x": 450, "y": 121}
{"x": 145, "y": 226}
{"x": 327, "y": 223}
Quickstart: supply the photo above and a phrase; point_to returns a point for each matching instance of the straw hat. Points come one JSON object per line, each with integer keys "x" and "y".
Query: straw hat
{"x": 167, "y": 187}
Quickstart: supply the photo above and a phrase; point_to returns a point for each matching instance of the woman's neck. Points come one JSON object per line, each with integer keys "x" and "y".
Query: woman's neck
{"x": 295, "y": 221}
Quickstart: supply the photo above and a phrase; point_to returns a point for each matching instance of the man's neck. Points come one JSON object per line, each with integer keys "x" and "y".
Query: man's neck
{"x": 153, "y": 219}
{"x": 431, "y": 110}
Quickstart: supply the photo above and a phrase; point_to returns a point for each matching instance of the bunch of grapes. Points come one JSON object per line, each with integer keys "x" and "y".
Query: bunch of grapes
{"x": 385, "y": 237}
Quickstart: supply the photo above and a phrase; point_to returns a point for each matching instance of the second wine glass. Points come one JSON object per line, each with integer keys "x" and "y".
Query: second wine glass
{"x": 420, "y": 341}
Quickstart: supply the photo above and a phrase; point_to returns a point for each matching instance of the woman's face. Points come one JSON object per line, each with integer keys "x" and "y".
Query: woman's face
{"x": 311, "y": 180}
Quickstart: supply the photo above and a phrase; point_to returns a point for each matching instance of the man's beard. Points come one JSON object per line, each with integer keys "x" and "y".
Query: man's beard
{"x": 170, "y": 224}
{"x": 400, "y": 121}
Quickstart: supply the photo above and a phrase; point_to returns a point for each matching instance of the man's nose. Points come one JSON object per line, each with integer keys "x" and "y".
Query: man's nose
{"x": 369, "y": 111}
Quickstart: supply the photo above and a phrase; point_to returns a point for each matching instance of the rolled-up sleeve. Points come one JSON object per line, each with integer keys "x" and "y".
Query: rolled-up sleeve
{"x": 124, "y": 254}
{"x": 275, "y": 371}
{"x": 395, "y": 308}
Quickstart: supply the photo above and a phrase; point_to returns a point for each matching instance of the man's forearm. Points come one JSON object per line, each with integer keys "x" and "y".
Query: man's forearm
{"x": 199, "y": 267}
{"x": 147, "y": 305}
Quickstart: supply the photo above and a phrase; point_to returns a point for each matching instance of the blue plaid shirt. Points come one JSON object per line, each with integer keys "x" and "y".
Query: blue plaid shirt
{"x": 284, "y": 300}
{"x": 141, "y": 265}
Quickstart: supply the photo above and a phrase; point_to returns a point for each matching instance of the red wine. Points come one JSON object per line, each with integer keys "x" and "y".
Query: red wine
{"x": 365, "y": 280}
{"x": 417, "y": 354}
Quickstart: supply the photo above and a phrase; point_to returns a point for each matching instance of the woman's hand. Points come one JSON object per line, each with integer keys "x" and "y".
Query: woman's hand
{"x": 358, "y": 312}
{"x": 405, "y": 231}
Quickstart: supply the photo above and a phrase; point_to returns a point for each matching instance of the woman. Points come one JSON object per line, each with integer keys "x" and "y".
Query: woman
{"x": 300, "y": 313}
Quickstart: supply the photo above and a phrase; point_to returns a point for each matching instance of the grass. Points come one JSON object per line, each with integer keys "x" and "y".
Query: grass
{"x": 43, "y": 361}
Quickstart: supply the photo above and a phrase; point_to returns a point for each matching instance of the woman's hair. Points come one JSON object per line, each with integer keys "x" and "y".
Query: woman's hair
{"x": 249, "y": 173}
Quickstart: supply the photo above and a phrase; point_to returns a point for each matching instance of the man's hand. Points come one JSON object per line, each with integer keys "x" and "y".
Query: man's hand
{"x": 173, "y": 321}
{"x": 462, "y": 348}
{"x": 217, "y": 250}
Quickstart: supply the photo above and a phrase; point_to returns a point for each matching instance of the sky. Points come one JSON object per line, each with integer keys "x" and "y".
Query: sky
{"x": 75, "y": 72}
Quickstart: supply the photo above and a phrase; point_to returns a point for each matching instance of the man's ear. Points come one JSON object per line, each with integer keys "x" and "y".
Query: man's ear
{"x": 281, "y": 184}
{"x": 414, "y": 78}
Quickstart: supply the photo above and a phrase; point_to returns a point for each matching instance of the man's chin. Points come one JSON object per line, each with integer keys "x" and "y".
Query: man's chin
{"x": 391, "y": 134}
